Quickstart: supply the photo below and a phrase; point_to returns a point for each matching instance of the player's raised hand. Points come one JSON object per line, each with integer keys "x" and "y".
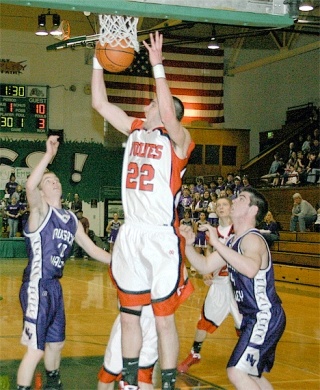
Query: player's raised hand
{"x": 211, "y": 233}
{"x": 155, "y": 48}
{"x": 52, "y": 145}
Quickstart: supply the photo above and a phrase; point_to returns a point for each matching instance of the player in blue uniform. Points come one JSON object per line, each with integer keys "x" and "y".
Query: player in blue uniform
{"x": 50, "y": 232}
{"x": 113, "y": 230}
{"x": 251, "y": 273}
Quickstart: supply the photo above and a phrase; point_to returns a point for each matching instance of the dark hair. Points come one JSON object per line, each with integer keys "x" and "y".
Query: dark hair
{"x": 179, "y": 107}
{"x": 257, "y": 199}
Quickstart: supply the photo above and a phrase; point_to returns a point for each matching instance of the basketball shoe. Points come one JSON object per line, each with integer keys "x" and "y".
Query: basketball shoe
{"x": 125, "y": 386}
{"x": 190, "y": 360}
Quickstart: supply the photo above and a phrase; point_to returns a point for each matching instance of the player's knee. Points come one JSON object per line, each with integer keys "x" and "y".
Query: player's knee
{"x": 234, "y": 375}
{"x": 34, "y": 354}
{"x": 165, "y": 323}
{"x": 55, "y": 347}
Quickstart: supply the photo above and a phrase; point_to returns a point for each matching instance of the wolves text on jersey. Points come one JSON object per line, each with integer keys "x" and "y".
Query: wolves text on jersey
{"x": 142, "y": 149}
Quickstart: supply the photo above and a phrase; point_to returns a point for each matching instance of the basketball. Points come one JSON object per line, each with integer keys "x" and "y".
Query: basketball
{"x": 114, "y": 59}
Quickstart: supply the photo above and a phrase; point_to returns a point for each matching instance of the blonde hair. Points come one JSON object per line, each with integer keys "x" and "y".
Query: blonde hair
{"x": 271, "y": 219}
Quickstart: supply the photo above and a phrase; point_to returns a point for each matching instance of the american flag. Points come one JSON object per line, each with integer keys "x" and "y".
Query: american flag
{"x": 194, "y": 75}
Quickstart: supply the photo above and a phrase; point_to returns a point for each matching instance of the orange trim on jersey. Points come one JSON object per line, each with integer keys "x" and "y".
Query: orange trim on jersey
{"x": 206, "y": 325}
{"x": 170, "y": 305}
{"x": 145, "y": 375}
{"x": 224, "y": 271}
{"x": 107, "y": 377}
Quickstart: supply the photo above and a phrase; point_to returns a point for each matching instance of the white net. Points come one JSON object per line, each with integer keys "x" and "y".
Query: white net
{"x": 119, "y": 30}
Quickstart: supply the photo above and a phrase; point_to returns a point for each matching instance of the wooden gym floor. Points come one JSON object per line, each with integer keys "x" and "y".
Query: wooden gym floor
{"x": 91, "y": 308}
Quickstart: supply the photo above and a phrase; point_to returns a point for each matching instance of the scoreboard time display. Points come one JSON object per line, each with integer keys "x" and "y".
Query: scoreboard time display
{"x": 23, "y": 108}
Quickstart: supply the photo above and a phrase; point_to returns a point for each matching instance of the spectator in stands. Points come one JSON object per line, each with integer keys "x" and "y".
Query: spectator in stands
{"x": 317, "y": 223}
{"x": 292, "y": 160}
{"x": 230, "y": 180}
{"x": 273, "y": 170}
{"x": 269, "y": 229}
{"x": 221, "y": 186}
{"x": 11, "y": 185}
{"x": 212, "y": 208}
{"x": 195, "y": 201}
{"x": 316, "y": 134}
{"x": 76, "y": 204}
{"x": 78, "y": 251}
{"x": 184, "y": 201}
{"x": 300, "y": 142}
{"x": 306, "y": 145}
{"x": 302, "y": 212}
{"x": 13, "y": 214}
{"x": 302, "y": 160}
{"x": 312, "y": 170}
{"x": 213, "y": 186}
{"x": 290, "y": 177}
{"x": 17, "y": 193}
{"x": 202, "y": 205}
{"x": 229, "y": 193}
{"x": 291, "y": 149}
{"x": 237, "y": 186}
{"x": 245, "y": 181}
{"x": 191, "y": 189}
{"x": 199, "y": 186}
{"x": 315, "y": 147}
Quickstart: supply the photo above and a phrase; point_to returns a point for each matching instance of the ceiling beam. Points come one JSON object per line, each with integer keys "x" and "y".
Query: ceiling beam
{"x": 282, "y": 55}
{"x": 161, "y": 11}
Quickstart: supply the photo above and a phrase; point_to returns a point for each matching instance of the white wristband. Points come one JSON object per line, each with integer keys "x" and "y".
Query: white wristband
{"x": 96, "y": 63}
{"x": 158, "y": 72}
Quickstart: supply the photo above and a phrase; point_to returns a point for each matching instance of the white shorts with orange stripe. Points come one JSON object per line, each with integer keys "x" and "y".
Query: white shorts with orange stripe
{"x": 147, "y": 267}
{"x": 112, "y": 365}
{"x": 218, "y": 304}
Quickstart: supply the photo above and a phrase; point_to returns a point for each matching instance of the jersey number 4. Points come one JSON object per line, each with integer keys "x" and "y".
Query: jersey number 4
{"x": 140, "y": 177}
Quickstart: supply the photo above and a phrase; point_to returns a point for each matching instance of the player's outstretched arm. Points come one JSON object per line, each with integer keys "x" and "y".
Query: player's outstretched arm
{"x": 37, "y": 204}
{"x": 204, "y": 264}
{"x": 112, "y": 113}
{"x": 90, "y": 247}
{"x": 179, "y": 135}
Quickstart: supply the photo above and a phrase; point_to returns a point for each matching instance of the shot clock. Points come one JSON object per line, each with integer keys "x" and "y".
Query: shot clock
{"x": 23, "y": 108}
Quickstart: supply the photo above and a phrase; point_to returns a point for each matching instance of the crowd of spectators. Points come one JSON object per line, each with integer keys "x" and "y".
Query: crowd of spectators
{"x": 14, "y": 208}
{"x": 300, "y": 166}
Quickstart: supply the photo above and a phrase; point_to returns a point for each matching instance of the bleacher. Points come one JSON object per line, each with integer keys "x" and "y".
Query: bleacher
{"x": 296, "y": 256}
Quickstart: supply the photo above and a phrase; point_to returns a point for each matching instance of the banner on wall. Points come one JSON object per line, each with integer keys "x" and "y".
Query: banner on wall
{"x": 21, "y": 175}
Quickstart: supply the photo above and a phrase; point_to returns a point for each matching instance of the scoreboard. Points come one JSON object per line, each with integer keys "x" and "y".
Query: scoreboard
{"x": 23, "y": 108}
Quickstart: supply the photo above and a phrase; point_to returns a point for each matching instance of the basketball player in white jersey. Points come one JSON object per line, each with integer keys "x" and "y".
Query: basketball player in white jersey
{"x": 147, "y": 263}
{"x": 219, "y": 301}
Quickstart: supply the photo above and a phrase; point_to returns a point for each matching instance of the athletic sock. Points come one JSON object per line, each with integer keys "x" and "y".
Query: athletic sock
{"x": 197, "y": 346}
{"x": 168, "y": 378}
{"x": 130, "y": 371}
{"x": 53, "y": 378}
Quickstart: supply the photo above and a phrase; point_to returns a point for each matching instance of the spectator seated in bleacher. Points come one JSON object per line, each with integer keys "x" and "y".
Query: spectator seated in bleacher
{"x": 275, "y": 171}
{"x": 317, "y": 223}
{"x": 313, "y": 169}
{"x": 290, "y": 176}
{"x": 303, "y": 213}
{"x": 269, "y": 229}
